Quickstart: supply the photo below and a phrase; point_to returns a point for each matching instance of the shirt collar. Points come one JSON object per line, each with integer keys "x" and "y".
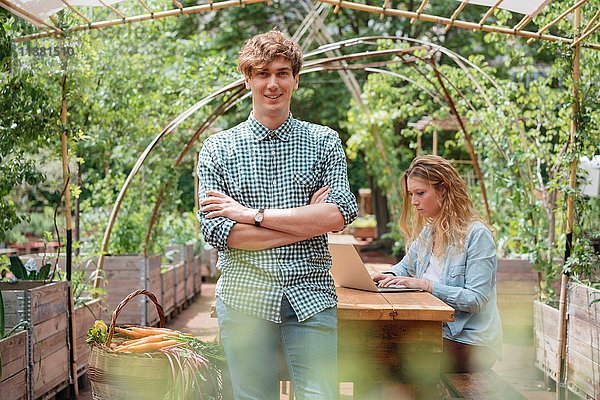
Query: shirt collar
{"x": 261, "y": 132}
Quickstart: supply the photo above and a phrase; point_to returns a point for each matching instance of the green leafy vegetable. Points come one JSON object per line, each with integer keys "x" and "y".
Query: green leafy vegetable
{"x": 28, "y": 272}
{"x": 17, "y": 268}
{"x": 98, "y": 333}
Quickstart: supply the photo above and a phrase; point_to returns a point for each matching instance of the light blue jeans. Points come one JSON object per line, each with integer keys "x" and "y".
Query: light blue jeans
{"x": 252, "y": 346}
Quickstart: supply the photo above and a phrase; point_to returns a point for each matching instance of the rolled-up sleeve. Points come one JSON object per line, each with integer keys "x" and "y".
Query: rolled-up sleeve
{"x": 336, "y": 177}
{"x": 211, "y": 177}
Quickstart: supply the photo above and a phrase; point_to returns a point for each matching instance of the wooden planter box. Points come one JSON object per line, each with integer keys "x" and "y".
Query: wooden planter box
{"x": 545, "y": 324}
{"x": 365, "y": 233}
{"x": 45, "y": 307}
{"x": 583, "y": 341}
{"x": 13, "y": 350}
{"x": 197, "y": 274}
{"x": 188, "y": 253}
{"x": 84, "y": 318}
{"x": 179, "y": 269}
{"x": 124, "y": 274}
{"x": 167, "y": 281}
{"x": 208, "y": 262}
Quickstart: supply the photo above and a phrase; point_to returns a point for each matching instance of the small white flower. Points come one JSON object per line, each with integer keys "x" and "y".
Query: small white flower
{"x": 31, "y": 265}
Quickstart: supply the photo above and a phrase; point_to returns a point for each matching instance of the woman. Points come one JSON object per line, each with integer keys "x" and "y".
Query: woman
{"x": 451, "y": 254}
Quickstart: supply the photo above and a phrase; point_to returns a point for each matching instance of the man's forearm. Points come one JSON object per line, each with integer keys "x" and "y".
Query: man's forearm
{"x": 307, "y": 221}
{"x": 249, "y": 237}
{"x": 310, "y": 221}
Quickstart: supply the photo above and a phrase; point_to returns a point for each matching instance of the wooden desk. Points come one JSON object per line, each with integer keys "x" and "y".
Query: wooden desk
{"x": 390, "y": 338}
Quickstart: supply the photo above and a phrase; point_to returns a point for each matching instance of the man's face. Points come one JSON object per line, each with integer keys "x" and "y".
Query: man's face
{"x": 272, "y": 87}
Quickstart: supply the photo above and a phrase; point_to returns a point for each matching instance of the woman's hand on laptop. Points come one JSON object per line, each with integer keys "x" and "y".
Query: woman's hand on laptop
{"x": 384, "y": 280}
{"x": 377, "y": 276}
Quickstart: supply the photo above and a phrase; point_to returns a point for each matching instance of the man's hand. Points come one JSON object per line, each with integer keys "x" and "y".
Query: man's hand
{"x": 320, "y": 195}
{"x": 220, "y": 205}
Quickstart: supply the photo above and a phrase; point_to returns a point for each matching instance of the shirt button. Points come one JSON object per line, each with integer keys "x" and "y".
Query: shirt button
{"x": 274, "y": 182}
{"x": 273, "y": 152}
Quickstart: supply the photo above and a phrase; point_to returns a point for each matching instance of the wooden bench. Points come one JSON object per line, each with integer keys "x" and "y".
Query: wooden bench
{"x": 480, "y": 386}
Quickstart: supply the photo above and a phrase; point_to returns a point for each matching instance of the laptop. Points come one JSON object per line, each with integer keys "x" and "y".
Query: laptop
{"x": 349, "y": 271}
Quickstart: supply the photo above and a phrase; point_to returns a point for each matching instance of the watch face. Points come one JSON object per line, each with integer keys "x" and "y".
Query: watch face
{"x": 259, "y": 217}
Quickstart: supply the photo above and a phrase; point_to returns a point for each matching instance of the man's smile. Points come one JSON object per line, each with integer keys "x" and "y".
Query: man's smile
{"x": 273, "y": 96}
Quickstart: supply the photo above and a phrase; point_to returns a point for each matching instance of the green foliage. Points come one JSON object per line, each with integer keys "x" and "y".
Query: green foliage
{"x": 520, "y": 130}
{"x": 34, "y": 223}
{"x": 584, "y": 263}
{"x": 28, "y": 271}
{"x": 367, "y": 221}
{"x": 124, "y": 84}
{"x": 27, "y": 120}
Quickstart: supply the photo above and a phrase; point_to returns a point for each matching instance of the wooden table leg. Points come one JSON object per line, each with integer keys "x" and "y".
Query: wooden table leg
{"x": 363, "y": 390}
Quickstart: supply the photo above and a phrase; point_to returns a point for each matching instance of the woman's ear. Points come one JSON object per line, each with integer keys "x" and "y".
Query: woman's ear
{"x": 442, "y": 188}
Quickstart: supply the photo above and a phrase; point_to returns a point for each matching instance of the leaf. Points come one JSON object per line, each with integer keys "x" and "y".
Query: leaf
{"x": 17, "y": 268}
{"x": 44, "y": 272}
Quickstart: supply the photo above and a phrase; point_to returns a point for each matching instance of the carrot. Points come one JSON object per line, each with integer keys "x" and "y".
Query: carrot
{"x": 146, "y": 347}
{"x": 128, "y": 332}
{"x": 151, "y": 331}
{"x": 136, "y": 342}
{"x": 147, "y": 339}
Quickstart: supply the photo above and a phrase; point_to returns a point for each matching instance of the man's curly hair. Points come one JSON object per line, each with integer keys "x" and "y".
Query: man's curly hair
{"x": 262, "y": 49}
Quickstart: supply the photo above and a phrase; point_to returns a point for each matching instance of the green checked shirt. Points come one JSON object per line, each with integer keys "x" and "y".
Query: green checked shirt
{"x": 281, "y": 168}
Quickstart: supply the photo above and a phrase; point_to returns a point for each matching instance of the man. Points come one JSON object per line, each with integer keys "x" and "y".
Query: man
{"x": 270, "y": 190}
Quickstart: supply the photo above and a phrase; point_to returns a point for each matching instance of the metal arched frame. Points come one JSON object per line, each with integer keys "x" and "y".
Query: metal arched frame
{"x": 235, "y": 92}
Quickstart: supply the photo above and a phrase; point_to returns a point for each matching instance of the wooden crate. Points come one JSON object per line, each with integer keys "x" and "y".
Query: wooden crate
{"x": 167, "y": 281}
{"x": 84, "y": 318}
{"x": 197, "y": 272}
{"x": 545, "y": 321}
{"x": 124, "y": 274}
{"x": 45, "y": 307}
{"x": 13, "y": 350}
{"x": 583, "y": 341}
{"x": 179, "y": 269}
{"x": 189, "y": 271}
{"x": 516, "y": 286}
{"x": 208, "y": 262}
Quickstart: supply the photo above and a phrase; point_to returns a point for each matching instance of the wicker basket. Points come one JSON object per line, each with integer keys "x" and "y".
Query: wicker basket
{"x": 129, "y": 376}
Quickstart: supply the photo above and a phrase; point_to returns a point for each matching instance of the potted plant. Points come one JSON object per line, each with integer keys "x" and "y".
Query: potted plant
{"x": 365, "y": 227}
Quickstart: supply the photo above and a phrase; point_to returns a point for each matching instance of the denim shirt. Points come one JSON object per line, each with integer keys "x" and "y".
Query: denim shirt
{"x": 468, "y": 284}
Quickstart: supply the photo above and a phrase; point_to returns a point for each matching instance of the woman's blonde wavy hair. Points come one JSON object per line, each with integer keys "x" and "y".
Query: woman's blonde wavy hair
{"x": 450, "y": 226}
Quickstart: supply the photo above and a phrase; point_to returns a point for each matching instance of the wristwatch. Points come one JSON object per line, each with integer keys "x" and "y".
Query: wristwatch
{"x": 258, "y": 217}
